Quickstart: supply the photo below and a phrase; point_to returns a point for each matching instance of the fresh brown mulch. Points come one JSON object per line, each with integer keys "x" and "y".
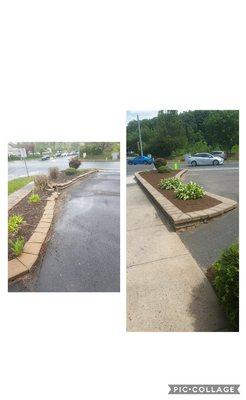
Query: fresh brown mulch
{"x": 31, "y": 213}
{"x": 154, "y": 177}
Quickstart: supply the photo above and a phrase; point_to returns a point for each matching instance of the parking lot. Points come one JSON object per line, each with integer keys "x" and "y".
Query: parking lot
{"x": 207, "y": 241}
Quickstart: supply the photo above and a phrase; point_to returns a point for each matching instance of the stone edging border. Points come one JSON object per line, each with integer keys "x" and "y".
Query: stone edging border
{"x": 69, "y": 183}
{"x": 22, "y": 264}
{"x": 176, "y": 217}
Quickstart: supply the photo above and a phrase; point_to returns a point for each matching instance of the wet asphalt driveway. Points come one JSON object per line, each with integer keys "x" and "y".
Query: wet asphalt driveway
{"x": 83, "y": 254}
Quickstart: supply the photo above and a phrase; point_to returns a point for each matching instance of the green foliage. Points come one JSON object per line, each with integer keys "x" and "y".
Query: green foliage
{"x": 53, "y": 173}
{"x": 70, "y": 171}
{"x": 235, "y": 149}
{"x": 17, "y": 245}
{"x": 14, "y": 223}
{"x": 170, "y": 183}
{"x": 74, "y": 162}
{"x": 173, "y": 133}
{"x": 41, "y": 182}
{"x": 189, "y": 191}
{"x": 34, "y": 198}
{"x": 18, "y": 183}
{"x": 164, "y": 169}
{"x": 226, "y": 283}
{"x": 159, "y": 162}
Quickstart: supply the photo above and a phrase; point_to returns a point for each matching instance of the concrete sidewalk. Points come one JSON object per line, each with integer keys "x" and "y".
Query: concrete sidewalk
{"x": 18, "y": 195}
{"x": 166, "y": 290}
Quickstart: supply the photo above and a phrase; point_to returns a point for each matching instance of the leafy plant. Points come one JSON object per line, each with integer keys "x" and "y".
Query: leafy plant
{"x": 74, "y": 162}
{"x": 160, "y": 162}
{"x": 17, "y": 245}
{"x": 170, "y": 183}
{"x": 41, "y": 182}
{"x": 34, "y": 198}
{"x": 70, "y": 171}
{"x": 53, "y": 173}
{"x": 189, "y": 191}
{"x": 14, "y": 222}
{"x": 226, "y": 283}
{"x": 164, "y": 169}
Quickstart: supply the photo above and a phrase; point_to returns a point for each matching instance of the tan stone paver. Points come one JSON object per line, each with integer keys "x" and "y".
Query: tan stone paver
{"x": 32, "y": 248}
{"x": 16, "y": 269}
{"x": 37, "y": 237}
{"x": 28, "y": 259}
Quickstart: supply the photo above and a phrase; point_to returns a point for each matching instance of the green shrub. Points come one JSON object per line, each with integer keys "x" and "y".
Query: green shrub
{"x": 17, "y": 245}
{"x": 160, "y": 162}
{"x": 164, "y": 169}
{"x": 74, "y": 162}
{"x": 41, "y": 182}
{"x": 53, "y": 173}
{"x": 235, "y": 149}
{"x": 189, "y": 191}
{"x": 226, "y": 283}
{"x": 14, "y": 222}
{"x": 170, "y": 183}
{"x": 70, "y": 171}
{"x": 34, "y": 198}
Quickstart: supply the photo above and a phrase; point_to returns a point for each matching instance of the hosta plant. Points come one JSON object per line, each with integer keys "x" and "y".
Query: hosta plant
{"x": 189, "y": 191}
{"x": 170, "y": 183}
{"x": 14, "y": 222}
{"x": 34, "y": 198}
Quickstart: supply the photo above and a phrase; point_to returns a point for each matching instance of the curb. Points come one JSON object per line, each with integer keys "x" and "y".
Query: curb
{"x": 69, "y": 183}
{"x": 176, "y": 217}
{"x": 22, "y": 264}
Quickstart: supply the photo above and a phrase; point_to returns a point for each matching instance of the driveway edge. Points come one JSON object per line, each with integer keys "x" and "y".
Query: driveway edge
{"x": 69, "y": 183}
{"x": 176, "y": 217}
{"x": 22, "y": 264}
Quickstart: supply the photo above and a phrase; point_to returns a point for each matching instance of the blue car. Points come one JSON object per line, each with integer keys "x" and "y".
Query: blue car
{"x": 141, "y": 160}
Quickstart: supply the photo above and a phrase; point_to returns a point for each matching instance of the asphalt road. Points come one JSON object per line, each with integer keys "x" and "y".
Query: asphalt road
{"x": 17, "y": 169}
{"x": 207, "y": 241}
{"x": 83, "y": 254}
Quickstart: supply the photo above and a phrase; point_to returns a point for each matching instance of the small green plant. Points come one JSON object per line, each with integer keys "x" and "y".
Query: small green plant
{"x": 34, "y": 198}
{"x": 170, "y": 183}
{"x": 70, "y": 171}
{"x": 226, "y": 283}
{"x": 14, "y": 222}
{"x": 159, "y": 162}
{"x": 74, "y": 162}
{"x": 17, "y": 245}
{"x": 41, "y": 182}
{"x": 189, "y": 191}
{"x": 164, "y": 169}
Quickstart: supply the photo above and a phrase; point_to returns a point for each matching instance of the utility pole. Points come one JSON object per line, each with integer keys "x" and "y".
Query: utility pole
{"x": 140, "y": 137}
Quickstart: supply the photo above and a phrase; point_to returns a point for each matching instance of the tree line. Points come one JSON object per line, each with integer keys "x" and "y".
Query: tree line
{"x": 174, "y": 134}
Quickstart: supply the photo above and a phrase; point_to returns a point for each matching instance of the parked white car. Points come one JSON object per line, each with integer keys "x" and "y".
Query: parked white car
{"x": 204, "y": 159}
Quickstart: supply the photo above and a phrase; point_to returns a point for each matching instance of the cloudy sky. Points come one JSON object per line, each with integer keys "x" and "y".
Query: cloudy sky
{"x": 142, "y": 114}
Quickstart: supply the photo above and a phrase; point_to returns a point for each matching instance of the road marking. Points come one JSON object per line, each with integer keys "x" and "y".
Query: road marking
{"x": 213, "y": 169}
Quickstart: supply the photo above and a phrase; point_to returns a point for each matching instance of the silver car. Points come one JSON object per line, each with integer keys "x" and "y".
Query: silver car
{"x": 204, "y": 159}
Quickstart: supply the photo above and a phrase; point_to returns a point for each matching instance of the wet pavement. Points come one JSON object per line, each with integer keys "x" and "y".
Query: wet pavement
{"x": 83, "y": 254}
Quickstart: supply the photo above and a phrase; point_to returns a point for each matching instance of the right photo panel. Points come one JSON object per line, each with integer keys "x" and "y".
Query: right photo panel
{"x": 183, "y": 221}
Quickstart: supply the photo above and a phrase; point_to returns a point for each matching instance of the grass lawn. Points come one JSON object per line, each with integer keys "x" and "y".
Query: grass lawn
{"x": 18, "y": 183}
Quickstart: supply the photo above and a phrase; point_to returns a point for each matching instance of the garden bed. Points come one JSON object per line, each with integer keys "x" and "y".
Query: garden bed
{"x": 31, "y": 213}
{"x": 154, "y": 177}
{"x": 63, "y": 178}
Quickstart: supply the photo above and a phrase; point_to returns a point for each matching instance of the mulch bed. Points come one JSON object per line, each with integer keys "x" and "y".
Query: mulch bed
{"x": 31, "y": 213}
{"x": 63, "y": 178}
{"x": 154, "y": 177}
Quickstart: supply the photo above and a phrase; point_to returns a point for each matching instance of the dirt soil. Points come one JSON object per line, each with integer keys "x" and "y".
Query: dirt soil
{"x": 186, "y": 206}
{"x": 31, "y": 213}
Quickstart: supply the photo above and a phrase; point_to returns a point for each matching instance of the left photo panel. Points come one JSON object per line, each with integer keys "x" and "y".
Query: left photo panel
{"x": 64, "y": 216}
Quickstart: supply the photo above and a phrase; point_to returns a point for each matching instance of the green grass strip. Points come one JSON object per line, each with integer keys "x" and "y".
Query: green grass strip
{"x": 18, "y": 183}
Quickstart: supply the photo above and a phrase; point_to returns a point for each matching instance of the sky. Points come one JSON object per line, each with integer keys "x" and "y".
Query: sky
{"x": 130, "y": 115}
